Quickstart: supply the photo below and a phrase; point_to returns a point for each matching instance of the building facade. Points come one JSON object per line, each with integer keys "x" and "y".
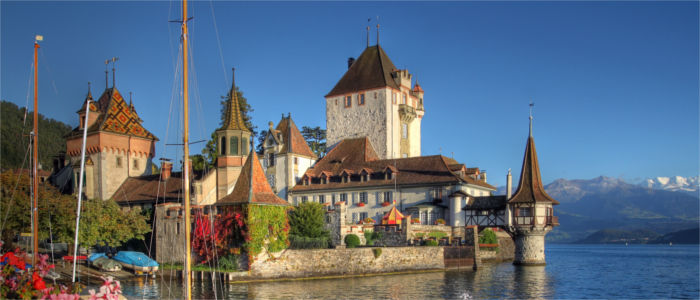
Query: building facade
{"x": 117, "y": 145}
{"x": 374, "y": 99}
{"x": 286, "y": 156}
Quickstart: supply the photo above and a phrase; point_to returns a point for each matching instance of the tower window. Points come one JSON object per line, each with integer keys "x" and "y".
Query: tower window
{"x": 223, "y": 145}
{"x": 119, "y": 161}
{"x": 244, "y": 146}
{"x": 271, "y": 160}
{"x": 348, "y": 101}
{"x": 234, "y": 145}
{"x": 403, "y": 99}
{"x": 404, "y": 130}
{"x": 296, "y": 160}
{"x": 393, "y": 97}
{"x": 136, "y": 164}
{"x": 361, "y": 99}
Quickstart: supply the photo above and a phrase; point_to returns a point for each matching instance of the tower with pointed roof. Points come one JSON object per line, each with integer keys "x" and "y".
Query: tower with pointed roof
{"x": 376, "y": 100}
{"x": 233, "y": 144}
{"x": 530, "y": 210}
{"x": 286, "y": 156}
{"x": 117, "y": 145}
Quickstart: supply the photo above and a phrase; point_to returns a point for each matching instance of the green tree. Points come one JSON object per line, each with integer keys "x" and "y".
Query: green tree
{"x": 488, "y": 237}
{"x": 261, "y": 141}
{"x": 307, "y": 220}
{"x": 316, "y": 138}
{"x": 16, "y": 129}
{"x": 105, "y": 223}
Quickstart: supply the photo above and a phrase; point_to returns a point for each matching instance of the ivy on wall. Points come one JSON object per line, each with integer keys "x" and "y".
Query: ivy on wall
{"x": 268, "y": 228}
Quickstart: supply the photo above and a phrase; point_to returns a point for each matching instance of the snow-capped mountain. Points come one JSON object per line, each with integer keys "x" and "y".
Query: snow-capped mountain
{"x": 675, "y": 183}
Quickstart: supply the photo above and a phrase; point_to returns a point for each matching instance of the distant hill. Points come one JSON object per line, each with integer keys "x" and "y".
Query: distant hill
{"x": 687, "y": 236}
{"x": 616, "y": 236}
{"x": 588, "y": 206}
{"x": 14, "y": 131}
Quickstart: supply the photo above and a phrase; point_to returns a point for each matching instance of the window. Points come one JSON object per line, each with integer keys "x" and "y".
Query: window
{"x": 348, "y": 101}
{"x": 388, "y": 196}
{"x": 136, "y": 164}
{"x": 234, "y": 145}
{"x": 223, "y": 145}
{"x": 244, "y": 147}
{"x": 437, "y": 193}
{"x": 404, "y": 130}
{"x": 404, "y": 155}
{"x": 332, "y": 198}
{"x": 361, "y": 99}
{"x": 321, "y": 199}
{"x": 363, "y": 216}
{"x": 354, "y": 218}
{"x": 363, "y": 197}
{"x": 393, "y": 98}
{"x": 119, "y": 161}
{"x": 296, "y": 160}
{"x": 403, "y": 99}
{"x": 271, "y": 160}
{"x": 344, "y": 197}
{"x": 271, "y": 180}
{"x": 524, "y": 212}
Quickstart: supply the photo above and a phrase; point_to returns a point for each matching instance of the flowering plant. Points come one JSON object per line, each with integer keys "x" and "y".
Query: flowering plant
{"x": 368, "y": 220}
{"x": 110, "y": 290}
{"x": 415, "y": 221}
{"x": 361, "y": 204}
{"x": 386, "y": 203}
{"x": 440, "y": 222}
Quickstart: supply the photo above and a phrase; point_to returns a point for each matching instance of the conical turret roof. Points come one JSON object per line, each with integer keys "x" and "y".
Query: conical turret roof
{"x": 233, "y": 118}
{"x": 252, "y": 186}
{"x": 530, "y": 189}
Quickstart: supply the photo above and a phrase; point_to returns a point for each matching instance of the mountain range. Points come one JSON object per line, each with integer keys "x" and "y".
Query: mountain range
{"x": 660, "y": 205}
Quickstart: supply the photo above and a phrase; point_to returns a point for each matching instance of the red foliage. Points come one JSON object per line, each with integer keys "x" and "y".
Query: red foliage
{"x": 228, "y": 234}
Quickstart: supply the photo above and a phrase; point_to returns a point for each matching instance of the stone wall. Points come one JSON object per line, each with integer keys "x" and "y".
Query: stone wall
{"x": 323, "y": 262}
{"x": 369, "y": 119}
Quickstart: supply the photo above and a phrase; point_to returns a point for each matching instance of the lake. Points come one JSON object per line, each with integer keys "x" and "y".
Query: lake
{"x": 573, "y": 271}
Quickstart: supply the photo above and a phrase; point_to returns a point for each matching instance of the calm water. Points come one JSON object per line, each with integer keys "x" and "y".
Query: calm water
{"x": 573, "y": 271}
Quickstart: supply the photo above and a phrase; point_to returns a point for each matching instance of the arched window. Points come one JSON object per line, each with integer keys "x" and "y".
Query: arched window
{"x": 234, "y": 145}
{"x": 223, "y": 145}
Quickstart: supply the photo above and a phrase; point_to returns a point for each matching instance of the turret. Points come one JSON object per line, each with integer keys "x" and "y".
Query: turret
{"x": 233, "y": 144}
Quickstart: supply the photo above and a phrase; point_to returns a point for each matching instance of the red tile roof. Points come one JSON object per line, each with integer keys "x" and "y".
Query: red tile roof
{"x": 293, "y": 141}
{"x": 371, "y": 70}
{"x": 252, "y": 186}
{"x": 353, "y": 155}
{"x": 530, "y": 189}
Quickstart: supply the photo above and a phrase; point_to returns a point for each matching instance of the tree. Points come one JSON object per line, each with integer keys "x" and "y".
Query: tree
{"x": 316, "y": 138}
{"x": 101, "y": 222}
{"x": 261, "y": 141}
{"x": 307, "y": 220}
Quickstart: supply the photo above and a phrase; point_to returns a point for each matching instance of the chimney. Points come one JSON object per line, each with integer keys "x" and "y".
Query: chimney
{"x": 351, "y": 60}
{"x": 483, "y": 175}
{"x": 509, "y": 185}
{"x": 166, "y": 168}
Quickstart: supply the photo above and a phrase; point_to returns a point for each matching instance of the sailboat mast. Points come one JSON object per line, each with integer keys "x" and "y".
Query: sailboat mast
{"x": 35, "y": 211}
{"x": 186, "y": 160}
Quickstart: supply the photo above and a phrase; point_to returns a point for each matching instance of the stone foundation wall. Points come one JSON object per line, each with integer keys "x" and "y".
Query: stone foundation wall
{"x": 529, "y": 247}
{"x": 323, "y": 262}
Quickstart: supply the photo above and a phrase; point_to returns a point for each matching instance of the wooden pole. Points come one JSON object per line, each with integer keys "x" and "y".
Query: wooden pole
{"x": 186, "y": 171}
{"x": 35, "y": 211}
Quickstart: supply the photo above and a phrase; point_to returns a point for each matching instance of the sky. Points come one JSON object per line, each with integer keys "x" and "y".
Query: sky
{"x": 615, "y": 84}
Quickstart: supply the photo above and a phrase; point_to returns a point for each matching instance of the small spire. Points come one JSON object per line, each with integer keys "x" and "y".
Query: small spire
{"x": 106, "y": 74}
{"x": 114, "y": 76}
{"x": 131, "y": 103}
{"x": 89, "y": 95}
{"x": 532, "y": 104}
{"x": 368, "y": 20}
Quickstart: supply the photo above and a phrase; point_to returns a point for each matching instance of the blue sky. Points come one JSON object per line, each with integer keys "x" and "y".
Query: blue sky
{"x": 615, "y": 84}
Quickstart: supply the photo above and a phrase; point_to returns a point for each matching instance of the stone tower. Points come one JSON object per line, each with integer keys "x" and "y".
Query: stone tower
{"x": 234, "y": 142}
{"x": 117, "y": 145}
{"x": 376, "y": 100}
{"x": 530, "y": 211}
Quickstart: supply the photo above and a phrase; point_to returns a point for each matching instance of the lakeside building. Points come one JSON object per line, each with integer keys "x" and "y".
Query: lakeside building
{"x": 286, "y": 156}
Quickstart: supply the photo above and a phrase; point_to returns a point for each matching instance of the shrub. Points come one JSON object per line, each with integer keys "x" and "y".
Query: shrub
{"x": 437, "y": 234}
{"x": 488, "y": 237}
{"x": 228, "y": 263}
{"x": 377, "y": 252}
{"x": 372, "y": 236}
{"x": 432, "y": 243}
{"x": 307, "y": 220}
{"x": 302, "y": 242}
{"x": 352, "y": 241}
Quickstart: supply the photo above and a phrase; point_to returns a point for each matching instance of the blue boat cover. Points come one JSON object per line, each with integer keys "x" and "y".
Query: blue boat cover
{"x": 135, "y": 258}
{"x": 95, "y": 256}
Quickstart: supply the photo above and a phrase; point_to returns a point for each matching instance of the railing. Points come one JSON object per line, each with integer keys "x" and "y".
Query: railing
{"x": 552, "y": 221}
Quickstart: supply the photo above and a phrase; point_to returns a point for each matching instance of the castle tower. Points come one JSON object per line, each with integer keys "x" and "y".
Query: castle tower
{"x": 117, "y": 145}
{"x": 234, "y": 142}
{"x": 530, "y": 210}
{"x": 376, "y": 100}
{"x": 286, "y": 156}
